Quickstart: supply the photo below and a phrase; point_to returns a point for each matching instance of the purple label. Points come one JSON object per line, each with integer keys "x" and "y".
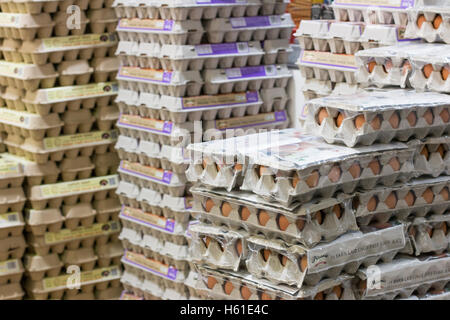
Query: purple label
{"x": 221, "y": 48}
{"x": 252, "y": 96}
{"x": 167, "y": 128}
{"x": 168, "y": 25}
{"x": 210, "y": 101}
{"x": 253, "y": 22}
{"x": 167, "y": 177}
{"x": 246, "y": 72}
{"x": 169, "y": 227}
{"x": 280, "y": 116}
{"x": 216, "y": 1}
{"x": 167, "y": 77}
{"x": 405, "y": 4}
{"x": 172, "y": 273}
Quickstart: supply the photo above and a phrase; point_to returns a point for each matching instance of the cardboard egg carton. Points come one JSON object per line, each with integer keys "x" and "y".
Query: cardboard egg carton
{"x": 106, "y": 117}
{"x": 27, "y": 76}
{"x": 11, "y": 271}
{"x": 12, "y": 291}
{"x": 378, "y": 116}
{"x": 109, "y": 254}
{"x": 102, "y": 20}
{"x": 296, "y": 266}
{"x": 11, "y": 172}
{"x": 62, "y": 29}
{"x": 430, "y": 22}
{"x": 309, "y": 224}
{"x": 430, "y": 235}
{"x": 58, "y": 148}
{"x": 81, "y": 237}
{"x": 11, "y": 225}
{"x": 77, "y": 72}
{"x": 57, "y": 288}
{"x": 12, "y": 248}
{"x": 39, "y": 267}
{"x": 417, "y": 199}
{"x": 404, "y": 276}
{"x": 227, "y": 285}
{"x": 107, "y": 209}
{"x": 84, "y": 258}
{"x": 193, "y": 10}
{"x": 12, "y": 200}
{"x": 388, "y": 12}
{"x": 431, "y": 156}
{"x": 26, "y": 27}
{"x": 217, "y": 247}
{"x": 106, "y": 164}
{"x": 50, "y": 6}
{"x": 113, "y": 293}
{"x": 105, "y": 69}
{"x": 72, "y": 98}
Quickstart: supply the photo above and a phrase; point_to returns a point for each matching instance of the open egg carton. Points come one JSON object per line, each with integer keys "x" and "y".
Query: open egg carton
{"x": 431, "y": 157}
{"x": 419, "y": 198}
{"x": 308, "y": 224}
{"x": 228, "y": 285}
{"x": 403, "y": 277}
{"x": 378, "y": 116}
{"x": 430, "y": 235}
{"x": 50, "y": 6}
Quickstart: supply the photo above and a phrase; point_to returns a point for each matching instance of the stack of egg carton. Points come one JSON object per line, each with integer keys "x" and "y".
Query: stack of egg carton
{"x": 328, "y": 61}
{"x": 12, "y": 241}
{"x": 190, "y": 70}
{"x": 58, "y": 114}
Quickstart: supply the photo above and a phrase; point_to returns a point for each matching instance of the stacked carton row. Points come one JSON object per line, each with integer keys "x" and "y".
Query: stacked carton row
{"x": 190, "y": 70}
{"x": 58, "y": 115}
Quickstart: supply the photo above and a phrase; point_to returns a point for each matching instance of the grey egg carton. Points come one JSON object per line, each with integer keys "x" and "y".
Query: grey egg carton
{"x": 308, "y": 224}
{"x": 311, "y": 67}
{"x": 228, "y": 285}
{"x": 404, "y": 276}
{"x": 431, "y": 157}
{"x": 432, "y": 294}
{"x": 11, "y": 271}
{"x": 193, "y": 10}
{"x": 296, "y": 266}
{"x": 379, "y": 116}
{"x": 418, "y": 198}
{"x": 346, "y": 10}
{"x": 315, "y": 88}
{"x": 430, "y": 235}
{"x": 422, "y": 22}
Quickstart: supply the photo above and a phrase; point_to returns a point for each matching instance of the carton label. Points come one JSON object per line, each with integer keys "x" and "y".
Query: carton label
{"x": 146, "y": 123}
{"x": 9, "y": 19}
{"x": 255, "y": 22}
{"x": 96, "y": 230}
{"x": 9, "y": 267}
{"x": 220, "y": 100}
{"x": 151, "y": 265}
{"x": 145, "y": 24}
{"x": 15, "y": 118}
{"x": 220, "y": 1}
{"x": 10, "y": 69}
{"x": 86, "y": 277}
{"x": 87, "y": 40}
{"x": 250, "y": 72}
{"x": 221, "y": 48}
{"x": 251, "y": 121}
{"x": 79, "y": 92}
{"x": 329, "y": 59}
{"x": 395, "y": 4}
{"x": 8, "y": 220}
{"x": 81, "y": 139}
{"x": 151, "y": 173}
{"x": 146, "y": 74}
{"x": 149, "y": 219}
{"x": 78, "y": 187}
{"x": 8, "y": 168}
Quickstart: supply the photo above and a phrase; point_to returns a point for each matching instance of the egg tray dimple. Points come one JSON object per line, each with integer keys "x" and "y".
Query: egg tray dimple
{"x": 418, "y": 198}
{"x": 379, "y": 116}
{"x": 12, "y": 248}
{"x": 106, "y": 117}
{"x": 431, "y": 157}
{"x": 102, "y": 20}
{"x": 430, "y": 22}
{"x": 430, "y": 235}
{"x": 12, "y": 200}
{"x": 12, "y": 225}
{"x": 431, "y": 294}
{"x": 11, "y": 271}
{"x": 404, "y": 276}
{"x": 12, "y": 291}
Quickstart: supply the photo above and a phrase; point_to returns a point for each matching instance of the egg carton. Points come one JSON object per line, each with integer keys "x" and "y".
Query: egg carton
{"x": 27, "y": 76}
{"x": 309, "y": 224}
{"x": 106, "y": 164}
{"x": 404, "y": 276}
{"x": 26, "y": 27}
{"x": 11, "y": 271}
{"x": 77, "y": 72}
{"x": 316, "y": 88}
{"x": 11, "y": 172}
{"x": 217, "y": 247}
{"x": 39, "y": 267}
{"x": 63, "y": 29}
{"x": 61, "y": 99}
{"x": 106, "y": 117}
{"x": 102, "y": 20}
{"x": 56, "y": 242}
{"x": 105, "y": 69}
{"x": 431, "y": 68}
{"x": 12, "y": 248}
{"x": 12, "y": 200}
{"x": 84, "y": 258}
{"x": 130, "y": 295}
{"x": 50, "y": 6}
{"x": 11, "y": 224}
{"x": 432, "y": 294}
{"x": 107, "y": 209}
{"x": 109, "y": 254}
{"x": 430, "y": 22}
{"x": 12, "y": 291}
{"x": 58, "y": 148}
{"x": 430, "y": 235}
{"x": 390, "y": 12}
{"x": 378, "y": 116}
{"x": 55, "y": 288}
{"x": 109, "y": 294}
{"x": 418, "y": 198}
{"x": 431, "y": 156}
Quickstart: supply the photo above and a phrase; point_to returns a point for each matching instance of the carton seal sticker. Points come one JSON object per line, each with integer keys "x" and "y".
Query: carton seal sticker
{"x": 80, "y": 233}
{"x": 80, "y": 140}
{"x": 148, "y": 219}
{"x": 150, "y": 265}
{"x": 9, "y": 267}
{"x": 8, "y": 220}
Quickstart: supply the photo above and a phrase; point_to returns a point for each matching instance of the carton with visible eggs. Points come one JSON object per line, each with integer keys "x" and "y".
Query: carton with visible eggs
{"x": 431, "y": 156}
{"x": 430, "y": 235}
{"x": 432, "y": 294}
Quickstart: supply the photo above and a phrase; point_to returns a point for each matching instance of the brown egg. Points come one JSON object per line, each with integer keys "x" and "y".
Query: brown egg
{"x": 427, "y": 70}
{"x": 444, "y": 228}
{"x": 337, "y": 210}
{"x": 319, "y": 296}
{"x": 222, "y": 248}
{"x": 239, "y": 247}
{"x": 391, "y": 200}
{"x": 425, "y": 152}
{"x": 265, "y": 296}
{"x": 445, "y": 115}
{"x": 437, "y": 22}
{"x": 387, "y": 66}
{"x": 283, "y": 260}
{"x": 207, "y": 241}
{"x": 228, "y": 287}
{"x": 209, "y": 205}
{"x": 313, "y": 180}
{"x": 245, "y": 293}
{"x": 303, "y": 263}
{"x": 428, "y": 196}
{"x": 394, "y": 120}
{"x": 300, "y": 224}
{"x": 376, "y": 123}
{"x": 412, "y": 232}
{"x": 406, "y": 67}
{"x": 319, "y": 217}
{"x": 238, "y": 167}
{"x": 355, "y": 204}
{"x": 323, "y": 113}
{"x": 363, "y": 285}
{"x": 371, "y": 66}
{"x": 355, "y": 170}
{"x": 226, "y": 209}
{"x": 335, "y": 174}
{"x": 359, "y": 121}
{"x": 339, "y": 119}
{"x": 412, "y": 119}
{"x": 441, "y": 151}
{"x": 375, "y": 166}
{"x": 264, "y": 171}
{"x": 410, "y": 198}
{"x": 204, "y": 164}
{"x": 211, "y": 282}
{"x": 338, "y": 291}
{"x": 444, "y": 194}
{"x": 395, "y": 164}
{"x": 445, "y": 72}
{"x": 420, "y": 20}
{"x": 372, "y": 204}
{"x": 283, "y": 222}
{"x": 429, "y": 117}
{"x": 430, "y": 232}
{"x": 295, "y": 180}
{"x": 263, "y": 218}
{"x": 217, "y": 167}
{"x": 245, "y": 213}
{"x": 265, "y": 254}
{"x": 437, "y": 291}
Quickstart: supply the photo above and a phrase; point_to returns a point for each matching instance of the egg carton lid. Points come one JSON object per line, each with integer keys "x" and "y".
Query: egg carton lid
{"x": 131, "y": 235}
{"x": 10, "y": 45}
{"x": 131, "y": 48}
{"x": 77, "y": 117}
{"x": 204, "y": 3}
{"x": 107, "y": 205}
{"x": 159, "y": 127}
{"x": 131, "y": 97}
{"x": 23, "y": 71}
{"x": 385, "y": 34}
{"x": 78, "y": 256}
{"x": 277, "y": 45}
{"x": 12, "y": 195}
{"x": 77, "y": 67}
{"x": 106, "y": 160}
{"x": 103, "y": 15}
{"x": 149, "y": 148}
{"x": 150, "y": 196}
{"x": 11, "y": 291}
{"x": 225, "y": 232}
{"x": 159, "y": 26}
{"x": 437, "y": 53}
{"x": 127, "y": 143}
{"x": 79, "y": 210}
{"x": 430, "y": 3}
{"x": 29, "y": 121}
{"x": 173, "y": 154}
{"x": 152, "y": 287}
{"x": 110, "y": 250}
{"x": 106, "y": 64}
{"x": 432, "y": 219}
{"x": 30, "y": 168}
{"x": 429, "y": 140}
{"x": 441, "y": 7}
{"x": 9, "y": 168}
{"x": 159, "y": 77}
{"x": 349, "y": 31}
{"x": 176, "y": 203}
{"x": 43, "y": 217}
{"x": 391, "y": 5}
{"x": 250, "y": 23}
{"x": 12, "y": 93}
{"x": 314, "y": 28}
{"x": 166, "y": 248}
{"x": 131, "y": 279}
{"x": 400, "y": 50}
{"x": 12, "y": 243}
{"x": 130, "y": 190}
{"x": 36, "y": 263}
{"x": 25, "y": 21}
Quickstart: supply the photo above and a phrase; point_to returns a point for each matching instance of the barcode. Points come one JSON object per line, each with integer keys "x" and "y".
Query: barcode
{"x": 233, "y": 73}
{"x": 204, "y": 49}
{"x": 11, "y": 265}
{"x": 112, "y": 181}
{"x": 114, "y": 226}
{"x": 242, "y": 47}
{"x": 13, "y": 218}
{"x": 270, "y": 70}
{"x": 114, "y": 272}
